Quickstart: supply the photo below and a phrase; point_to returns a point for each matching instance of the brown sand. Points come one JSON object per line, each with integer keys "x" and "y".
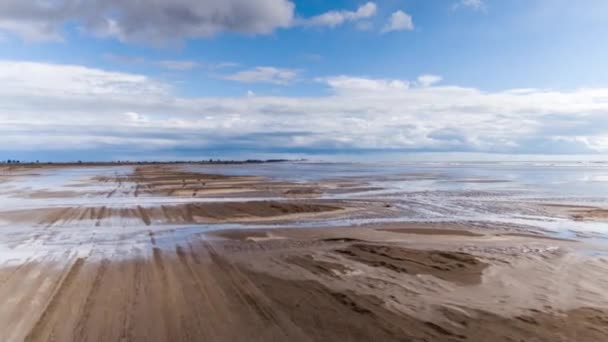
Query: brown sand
{"x": 430, "y": 231}
{"x": 578, "y": 212}
{"x": 590, "y": 214}
{"x": 326, "y": 315}
{"x": 169, "y": 180}
{"x": 305, "y": 192}
{"x": 394, "y": 282}
{"x": 451, "y": 266}
{"x": 174, "y": 214}
{"x": 535, "y": 236}
{"x": 201, "y": 291}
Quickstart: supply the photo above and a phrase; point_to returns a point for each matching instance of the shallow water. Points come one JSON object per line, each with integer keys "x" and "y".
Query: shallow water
{"x": 563, "y": 180}
{"x": 495, "y": 192}
{"x": 490, "y": 193}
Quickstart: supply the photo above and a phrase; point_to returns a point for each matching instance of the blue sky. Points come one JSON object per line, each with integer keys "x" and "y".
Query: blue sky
{"x": 195, "y": 79}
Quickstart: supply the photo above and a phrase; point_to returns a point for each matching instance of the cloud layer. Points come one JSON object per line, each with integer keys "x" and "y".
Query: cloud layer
{"x": 151, "y": 20}
{"x": 162, "y": 21}
{"x": 58, "y": 107}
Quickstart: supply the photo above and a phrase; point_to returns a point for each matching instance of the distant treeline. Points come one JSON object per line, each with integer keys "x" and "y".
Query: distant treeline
{"x": 129, "y": 162}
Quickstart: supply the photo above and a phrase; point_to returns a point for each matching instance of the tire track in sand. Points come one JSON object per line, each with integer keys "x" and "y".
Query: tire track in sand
{"x": 143, "y": 214}
{"x": 89, "y": 304}
{"x": 200, "y": 294}
{"x": 244, "y": 289}
{"x": 166, "y": 305}
{"x": 63, "y": 286}
{"x": 52, "y": 219}
{"x": 128, "y": 327}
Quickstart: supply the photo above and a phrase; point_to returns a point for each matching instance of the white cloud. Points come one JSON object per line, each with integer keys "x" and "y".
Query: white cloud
{"x": 399, "y": 21}
{"x": 136, "y": 118}
{"x": 477, "y": 5}
{"x": 264, "y": 74}
{"x": 73, "y": 80}
{"x": 350, "y": 84}
{"x": 49, "y": 106}
{"x": 337, "y": 18}
{"x": 428, "y": 80}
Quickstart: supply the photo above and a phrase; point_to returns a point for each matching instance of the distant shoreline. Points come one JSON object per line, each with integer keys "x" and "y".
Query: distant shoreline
{"x": 128, "y": 163}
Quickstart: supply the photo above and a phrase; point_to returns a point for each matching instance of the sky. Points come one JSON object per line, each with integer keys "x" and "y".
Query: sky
{"x": 317, "y": 79}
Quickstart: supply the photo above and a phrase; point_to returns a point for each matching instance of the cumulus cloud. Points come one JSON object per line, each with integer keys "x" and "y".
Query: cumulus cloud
{"x": 263, "y": 74}
{"x": 351, "y": 84}
{"x": 399, "y": 21}
{"x": 150, "y": 21}
{"x": 337, "y": 18}
{"x": 57, "y": 107}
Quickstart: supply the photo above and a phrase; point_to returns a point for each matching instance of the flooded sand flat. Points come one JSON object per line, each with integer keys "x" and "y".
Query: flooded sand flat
{"x": 344, "y": 252}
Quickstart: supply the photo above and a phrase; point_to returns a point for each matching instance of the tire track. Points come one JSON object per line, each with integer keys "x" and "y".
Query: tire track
{"x": 143, "y": 214}
{"x": 242, "y": 286}
{"x": 203, "y": 295}
{"x": 40, "y": 327}
{"x": 18, "y": 269}
{"x": 89, "y": 304}
{"x": 128, "y": 326}
{"x": 100, "y": 216}
{"x": 52, "y": 219}
{"x": 171, "y": 330}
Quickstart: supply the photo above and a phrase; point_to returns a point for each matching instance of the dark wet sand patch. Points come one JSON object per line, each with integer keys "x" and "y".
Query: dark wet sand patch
{"x": 193, "y": 212}
{"x": 240, "y": 235}
{"x": 430, "y": 231}
{"x": 458, "y": 267}
{"x": 578, "y": 212}
{"x": 325, "y": 314}
{"x": 171, "y": 214}
{"x": 589, "y": 214}
{"x": 320, "y": 267}
{"x": 342, "y": 240}
{"x": 303, "y": 192}
{"x": 536, "y": 236}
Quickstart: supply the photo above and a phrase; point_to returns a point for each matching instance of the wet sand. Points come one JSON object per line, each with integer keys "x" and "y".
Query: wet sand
{"x": 399, "y": 281}
{"x": 579, "y": 212}
{"x": 311, "y": 286}
{"x": 173, "y": 214}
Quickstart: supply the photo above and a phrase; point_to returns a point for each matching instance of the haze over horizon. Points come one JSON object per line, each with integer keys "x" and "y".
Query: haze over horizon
{"x": 187, "y": 79}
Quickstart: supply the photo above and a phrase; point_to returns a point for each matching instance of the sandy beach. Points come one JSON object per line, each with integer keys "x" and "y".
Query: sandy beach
{"x": 170, "y": 253}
